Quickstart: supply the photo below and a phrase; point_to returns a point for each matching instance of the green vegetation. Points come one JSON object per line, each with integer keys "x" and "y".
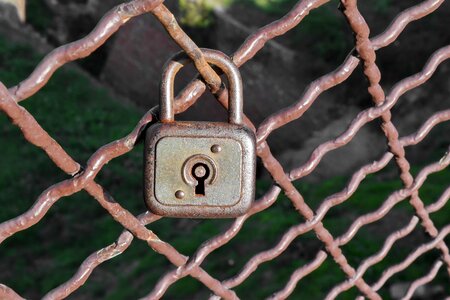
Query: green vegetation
{"x": 38, "y": 15}
{"x": 83, "y": 117}
{"x": 275, "y": 7}
{"x": 198, "y": 13}
{"x": 324, "y": 29}
{"x": 382, "y": 6}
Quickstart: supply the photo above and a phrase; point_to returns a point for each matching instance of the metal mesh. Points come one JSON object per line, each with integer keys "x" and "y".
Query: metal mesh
{"x": 83, "y": 178}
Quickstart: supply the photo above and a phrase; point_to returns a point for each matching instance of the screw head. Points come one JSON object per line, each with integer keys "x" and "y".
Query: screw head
{"x": 216, "y": 148}
{"x": 179, "y": 194}
{"x": 200, "y": 171}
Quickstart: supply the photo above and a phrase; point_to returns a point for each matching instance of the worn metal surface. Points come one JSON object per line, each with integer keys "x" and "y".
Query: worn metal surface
{"x": 173, "y": 66}
{"x": 169, "y": 151}
{"x": 174, "y": 149}
{"x": 364, "y": 53}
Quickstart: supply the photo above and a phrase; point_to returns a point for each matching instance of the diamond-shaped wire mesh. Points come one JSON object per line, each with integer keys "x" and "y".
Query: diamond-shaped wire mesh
{"x": 83, "y": 178}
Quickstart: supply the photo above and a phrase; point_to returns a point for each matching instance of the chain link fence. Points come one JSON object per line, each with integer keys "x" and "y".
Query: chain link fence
{"x": 364, "y": 53}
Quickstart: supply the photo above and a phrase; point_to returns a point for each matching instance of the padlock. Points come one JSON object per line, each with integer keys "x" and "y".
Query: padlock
{"x": 200, "y": 169}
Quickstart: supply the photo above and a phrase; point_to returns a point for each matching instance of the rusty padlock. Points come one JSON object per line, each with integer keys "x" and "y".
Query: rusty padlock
{"x": 200, "y": 169}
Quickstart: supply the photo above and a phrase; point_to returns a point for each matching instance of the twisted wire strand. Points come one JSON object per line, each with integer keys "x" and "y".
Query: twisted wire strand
{"x": 369, "y": 262}
{"x": 393, "y": 199}
{"x": 367, "y": 53}
{"x": 423, "y": 280}
{"x": 391, "y": 271}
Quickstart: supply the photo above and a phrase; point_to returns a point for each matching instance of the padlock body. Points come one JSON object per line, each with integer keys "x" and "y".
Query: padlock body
{"x": 226, "y": 150}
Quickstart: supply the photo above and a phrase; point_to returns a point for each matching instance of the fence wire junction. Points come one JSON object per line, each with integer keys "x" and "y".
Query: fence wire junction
{"x": 83, "y": 178}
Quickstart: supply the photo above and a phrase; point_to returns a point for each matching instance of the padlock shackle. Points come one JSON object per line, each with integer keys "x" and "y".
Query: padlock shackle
{"x": 217, "y": 58}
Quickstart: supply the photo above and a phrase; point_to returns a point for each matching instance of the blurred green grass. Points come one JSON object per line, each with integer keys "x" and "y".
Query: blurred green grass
{"x": 83, "y": 117}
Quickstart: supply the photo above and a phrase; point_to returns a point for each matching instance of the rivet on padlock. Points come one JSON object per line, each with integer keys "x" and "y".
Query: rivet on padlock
{"x": 200, "y": 169}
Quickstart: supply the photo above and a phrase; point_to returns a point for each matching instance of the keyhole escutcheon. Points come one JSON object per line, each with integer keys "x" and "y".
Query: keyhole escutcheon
{"x": 200, "y": 172}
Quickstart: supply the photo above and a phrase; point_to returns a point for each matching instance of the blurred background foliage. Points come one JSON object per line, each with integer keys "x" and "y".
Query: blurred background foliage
{"x": 82, "y": 117}
{"x": 322, "y": 22}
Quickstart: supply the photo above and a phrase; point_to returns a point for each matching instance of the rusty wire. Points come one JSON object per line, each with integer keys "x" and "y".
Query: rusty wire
{"x": 135, "y": 226}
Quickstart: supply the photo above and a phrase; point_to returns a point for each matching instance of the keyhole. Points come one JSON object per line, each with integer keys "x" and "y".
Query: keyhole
{"x": 200, "y": 172}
